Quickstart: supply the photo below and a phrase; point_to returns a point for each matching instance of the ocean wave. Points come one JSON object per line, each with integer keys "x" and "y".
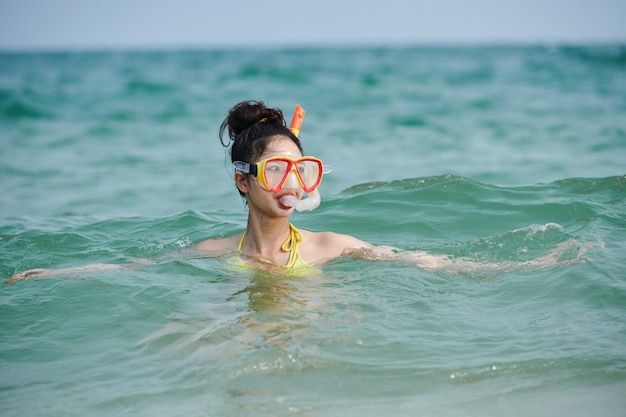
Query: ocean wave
{"x": 14, "y": 107}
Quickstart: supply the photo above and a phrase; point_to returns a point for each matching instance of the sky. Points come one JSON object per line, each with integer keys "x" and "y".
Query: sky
{"x": 128, "y": 24}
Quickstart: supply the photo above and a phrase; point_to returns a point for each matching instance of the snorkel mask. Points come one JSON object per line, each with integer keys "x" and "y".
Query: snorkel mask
{"x": 275, "y": 172}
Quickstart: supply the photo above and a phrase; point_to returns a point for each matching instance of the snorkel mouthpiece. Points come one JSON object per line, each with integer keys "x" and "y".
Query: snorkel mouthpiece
{"x": 312, "y": 201}
{"x": 313, "y": 198}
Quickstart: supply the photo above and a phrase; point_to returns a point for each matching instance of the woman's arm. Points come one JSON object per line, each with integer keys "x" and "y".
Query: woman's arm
{"x": 49, "y": 273}
{"x": 138, "y": 264}
{"x": 424, "y": 260}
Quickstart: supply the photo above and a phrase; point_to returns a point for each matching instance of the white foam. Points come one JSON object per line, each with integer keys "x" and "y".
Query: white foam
{"x": 533, "y": 229}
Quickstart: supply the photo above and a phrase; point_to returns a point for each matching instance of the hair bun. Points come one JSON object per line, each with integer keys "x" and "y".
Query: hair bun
{"x": 247, "y": 113}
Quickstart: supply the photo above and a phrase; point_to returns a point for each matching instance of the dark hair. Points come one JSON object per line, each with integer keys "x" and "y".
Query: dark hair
{"x": 251, "y": 125}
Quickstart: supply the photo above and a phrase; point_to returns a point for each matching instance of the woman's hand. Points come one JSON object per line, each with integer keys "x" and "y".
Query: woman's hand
{"x": 30, "y": 274}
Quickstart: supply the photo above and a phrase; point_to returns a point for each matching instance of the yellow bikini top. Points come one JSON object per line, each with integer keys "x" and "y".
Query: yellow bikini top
{"x": 290, "y": 245}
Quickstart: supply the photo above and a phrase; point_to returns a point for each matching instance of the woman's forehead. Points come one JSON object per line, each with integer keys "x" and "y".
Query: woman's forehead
{"x": 281, "y": 147}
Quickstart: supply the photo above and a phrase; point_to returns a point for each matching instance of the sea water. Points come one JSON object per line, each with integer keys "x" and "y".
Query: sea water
{"x": 494, "y": 154}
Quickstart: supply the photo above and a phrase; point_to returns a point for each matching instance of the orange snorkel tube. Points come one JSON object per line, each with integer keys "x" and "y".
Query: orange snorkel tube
{"x": 296, "y": 121}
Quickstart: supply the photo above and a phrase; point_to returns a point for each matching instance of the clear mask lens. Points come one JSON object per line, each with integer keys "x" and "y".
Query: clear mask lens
{"x": 283, "y": 173}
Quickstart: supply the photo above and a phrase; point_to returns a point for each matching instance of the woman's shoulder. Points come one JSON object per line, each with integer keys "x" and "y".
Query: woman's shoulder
{"x": 219, "y": 244}
{"x": 333, "y": 238}
{"x": 328, "y": 245}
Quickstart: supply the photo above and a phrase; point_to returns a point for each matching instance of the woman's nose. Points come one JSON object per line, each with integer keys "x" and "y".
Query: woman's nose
{"x": 292, "y": 181}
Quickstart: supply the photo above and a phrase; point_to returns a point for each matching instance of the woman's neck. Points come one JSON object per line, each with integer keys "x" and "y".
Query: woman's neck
{"x": 265, "y": 236}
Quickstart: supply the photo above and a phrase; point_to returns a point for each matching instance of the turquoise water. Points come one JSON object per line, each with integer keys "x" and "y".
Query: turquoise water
{"x": 494, "y": 154}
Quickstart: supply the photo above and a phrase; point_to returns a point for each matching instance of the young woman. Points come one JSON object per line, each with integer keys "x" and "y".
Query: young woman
{"x": 273, "y": 174}
{"x": 270, "y": 168}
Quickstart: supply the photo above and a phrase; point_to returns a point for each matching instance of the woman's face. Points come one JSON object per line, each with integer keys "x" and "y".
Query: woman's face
{"x": 258, "y": 196}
